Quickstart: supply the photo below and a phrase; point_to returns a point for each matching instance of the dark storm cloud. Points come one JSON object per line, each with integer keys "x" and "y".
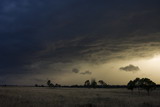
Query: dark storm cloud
{"x": 86, "y": 73}
{"x": 130, "y": 68}
{"x": 38, "y": 35}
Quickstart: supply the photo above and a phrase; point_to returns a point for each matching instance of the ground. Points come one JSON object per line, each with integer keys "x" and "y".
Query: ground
{"x": 76, "y": 97}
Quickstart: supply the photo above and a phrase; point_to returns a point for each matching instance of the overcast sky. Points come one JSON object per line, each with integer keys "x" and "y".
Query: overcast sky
{"x": 69, "y": 41}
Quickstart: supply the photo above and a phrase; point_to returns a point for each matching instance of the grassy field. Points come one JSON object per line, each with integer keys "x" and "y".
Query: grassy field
{"x": 74, "y": 97}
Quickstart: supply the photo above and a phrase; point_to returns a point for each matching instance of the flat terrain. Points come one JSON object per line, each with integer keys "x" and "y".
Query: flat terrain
{"x": 75, "y": 97}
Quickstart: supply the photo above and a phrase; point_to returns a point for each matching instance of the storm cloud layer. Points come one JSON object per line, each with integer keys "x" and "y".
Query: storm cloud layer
{"x": 38, "y": 36}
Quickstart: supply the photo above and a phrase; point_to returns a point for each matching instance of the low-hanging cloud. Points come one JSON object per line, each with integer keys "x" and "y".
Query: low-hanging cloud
{"x": 86, "y": 73}
{"x": 130, "y": 68}
{"x": 75, "y": 70}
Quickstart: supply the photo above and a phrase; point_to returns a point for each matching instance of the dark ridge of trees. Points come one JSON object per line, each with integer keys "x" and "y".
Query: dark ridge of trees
{"x": 144, "y": 83}
{"x": 116, "y": 86}
{"x": 36, "y": 85}
{"x": 98, "y": 86}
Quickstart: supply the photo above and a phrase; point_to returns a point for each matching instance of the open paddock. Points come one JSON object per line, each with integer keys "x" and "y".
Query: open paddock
{"x": 76, "y": 97}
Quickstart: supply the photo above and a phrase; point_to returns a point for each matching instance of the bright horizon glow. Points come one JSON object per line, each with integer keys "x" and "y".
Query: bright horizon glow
{"x": 150, "y": 68}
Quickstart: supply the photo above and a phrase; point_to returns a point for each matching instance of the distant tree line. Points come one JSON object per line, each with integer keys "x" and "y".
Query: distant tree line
{"x": 36, "y": 85}
{"x": 140, "y": 84}
{"x": 49, "y": 84}
{"x": 87, "y": 84}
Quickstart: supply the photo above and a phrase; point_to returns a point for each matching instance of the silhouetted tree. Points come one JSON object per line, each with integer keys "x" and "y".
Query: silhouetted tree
{"x": 42, "y": 85}
{"x": 131, "y": 85}
{"x": 93, "y": 83}
{"x": 147, "y": 84}
{"x": 87, "y": 83}
{"x": 102, "y": 83}
{"x": 137, "y": 84}
{"x": 36, "y": 85}
{"x": 143, "y": 83}
{"x": 57, "y": 85}
{"x": 50, "y": 84}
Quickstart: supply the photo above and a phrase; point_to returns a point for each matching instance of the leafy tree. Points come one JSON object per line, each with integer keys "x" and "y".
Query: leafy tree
{"x": 143, "y": 83}
{"x": 137, "y": 84}
{"x": 87, "y": 83}
{"x": 131, "y": 85}
{"x": 36, "y": 85}
{"x": 102, "y": 83}
{"x": 93, "y": 83}
{"x": 50, "y": 84}
{"x": 147, "y": 84}
{"x": 57, "y": 85}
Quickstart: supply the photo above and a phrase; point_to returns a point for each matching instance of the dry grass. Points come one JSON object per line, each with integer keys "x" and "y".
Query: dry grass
{"x": 72, "y": 97}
